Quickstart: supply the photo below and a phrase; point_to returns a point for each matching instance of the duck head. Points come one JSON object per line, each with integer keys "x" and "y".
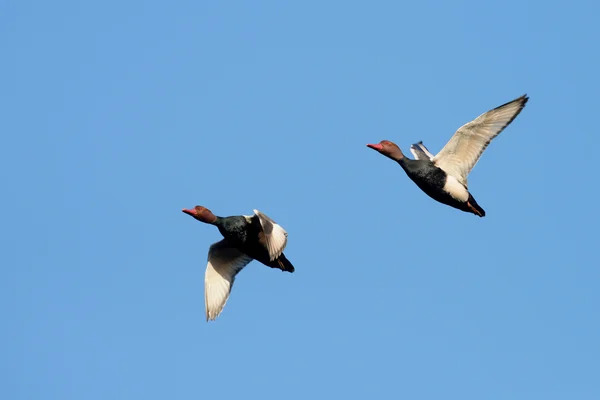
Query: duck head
{"x": 202, "y": 214}
{"x": 388, "y": 149}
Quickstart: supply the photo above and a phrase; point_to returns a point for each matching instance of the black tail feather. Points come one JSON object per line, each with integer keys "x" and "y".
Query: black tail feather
{"x": 283, "y": 264}
{"x": 474, "y": 207}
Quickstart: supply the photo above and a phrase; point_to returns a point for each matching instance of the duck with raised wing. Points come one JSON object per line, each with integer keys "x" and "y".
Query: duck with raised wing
{"x": 443, "y": 177}
{"x": 246, "y": 238}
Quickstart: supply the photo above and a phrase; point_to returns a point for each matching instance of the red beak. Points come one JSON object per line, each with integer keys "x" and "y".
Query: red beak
{"x": 377, "y": 147}
{"x": 189, "y": 212}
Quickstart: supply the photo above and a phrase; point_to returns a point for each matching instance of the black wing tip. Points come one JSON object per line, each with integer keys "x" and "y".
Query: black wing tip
{"x": 522, "y": 100}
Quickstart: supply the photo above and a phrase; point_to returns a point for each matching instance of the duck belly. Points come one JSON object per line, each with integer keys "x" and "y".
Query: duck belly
{"x": 442, "y": 188}
{"x": 455, "y": 189}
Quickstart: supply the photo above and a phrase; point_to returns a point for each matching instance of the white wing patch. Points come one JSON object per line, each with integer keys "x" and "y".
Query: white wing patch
{"x": 420, "y": 151}
{"x": 461, "y": 153}
{"x": 224, "y": 262}
{"x": 273, "y": 236}
{"x": 455, "y": 189}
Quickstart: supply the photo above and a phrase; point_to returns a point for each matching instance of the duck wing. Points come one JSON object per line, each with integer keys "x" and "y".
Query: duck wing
{"x": 273, "y": 237}
{"x": 224, "y": 262}
{"x": 461, "y": 153}
{"x": 420, "y": 151}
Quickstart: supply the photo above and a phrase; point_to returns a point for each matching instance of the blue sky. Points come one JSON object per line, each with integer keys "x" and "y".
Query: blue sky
{"x": 116, "y": 115}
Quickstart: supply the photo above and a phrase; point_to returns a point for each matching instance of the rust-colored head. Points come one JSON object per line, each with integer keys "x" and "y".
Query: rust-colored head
{"x": 201, "y": 214}
{"x": 388, "y": 149}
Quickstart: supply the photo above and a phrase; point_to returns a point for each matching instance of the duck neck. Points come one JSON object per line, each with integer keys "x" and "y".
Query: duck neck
{"x": 399, "y": 158}
{"x": 396, "y": 155}
{"x": 409, "y": 165}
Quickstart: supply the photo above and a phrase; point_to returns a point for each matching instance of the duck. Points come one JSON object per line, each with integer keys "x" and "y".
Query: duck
{"x": 245, "y": 238}
{"x": 443, "y": 177}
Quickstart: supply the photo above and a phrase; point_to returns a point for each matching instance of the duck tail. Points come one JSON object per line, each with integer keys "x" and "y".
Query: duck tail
{"x": 282, "y": 263}
{"x": 474, "y": 207}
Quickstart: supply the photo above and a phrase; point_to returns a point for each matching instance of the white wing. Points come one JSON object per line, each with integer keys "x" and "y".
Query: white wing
{"x": 420, "y": 151}
{"x": 224, "y": 262}
{"x": 461, "y": 153}
{"x": 273, "y": 236}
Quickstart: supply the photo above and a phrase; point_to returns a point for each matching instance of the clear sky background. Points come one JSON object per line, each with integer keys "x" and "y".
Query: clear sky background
{"x": 116, "y": 115}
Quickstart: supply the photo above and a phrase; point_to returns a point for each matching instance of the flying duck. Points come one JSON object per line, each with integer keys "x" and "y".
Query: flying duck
{"x": 443, "y": 177}
{"x": 246, "y": 238}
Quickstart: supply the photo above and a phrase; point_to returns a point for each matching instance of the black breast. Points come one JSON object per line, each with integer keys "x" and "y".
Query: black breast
{"x": 244, "y": 234}
{"x": 235, "y": 229}
{"x": 427, "y": 176}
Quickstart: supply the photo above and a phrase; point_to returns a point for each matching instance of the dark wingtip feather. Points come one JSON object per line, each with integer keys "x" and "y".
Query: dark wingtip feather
{"x": 523, "y": 100}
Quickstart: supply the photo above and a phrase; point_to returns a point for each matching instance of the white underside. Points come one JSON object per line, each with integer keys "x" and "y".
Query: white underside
{"x": 455, "y": 189}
